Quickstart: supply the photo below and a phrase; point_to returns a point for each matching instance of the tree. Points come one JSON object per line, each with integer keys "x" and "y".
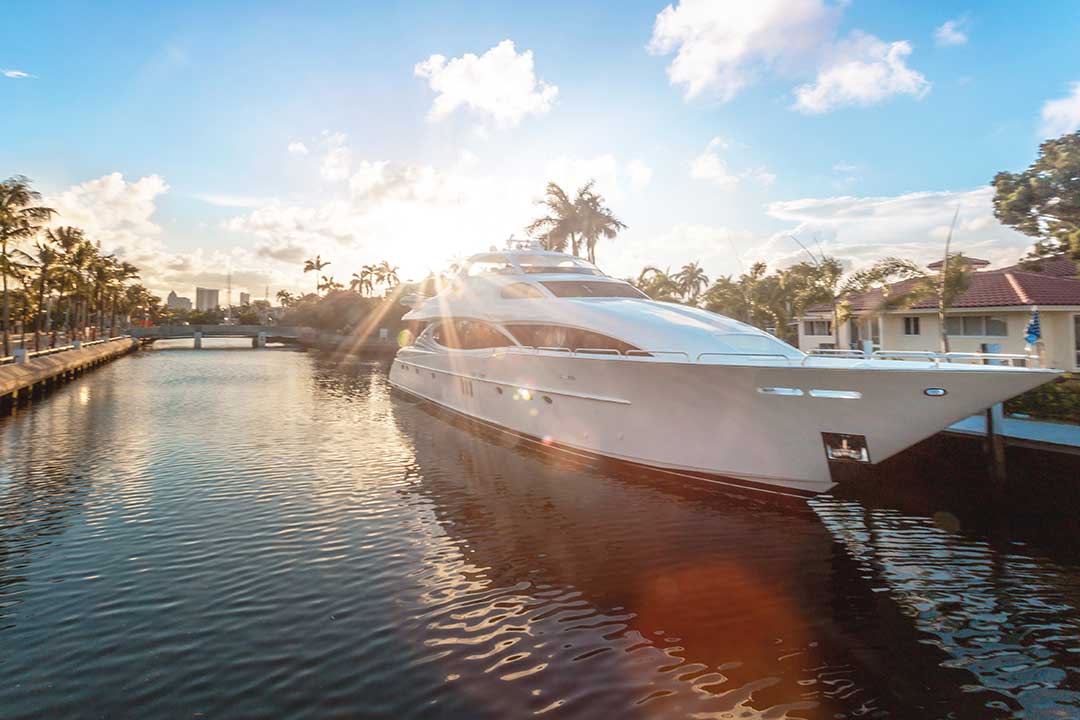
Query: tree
{"x": 560, "y": 225}
{"x": 585, "y": 219}
{"x": 45, "y": 257}
{"x": 389, "y": 274}
{"x": 596, "y": 220}
{"x": 329, "y": 284}
{"x": 20, "y": 218}
{"x": 691, "y": 280}
{"x": 67, "y": 239}
{"x": 1044, "y": 200}
{"x": 657, "y": 284}
{"x": 315, "y": 266}
{"x": 285, "y": 298}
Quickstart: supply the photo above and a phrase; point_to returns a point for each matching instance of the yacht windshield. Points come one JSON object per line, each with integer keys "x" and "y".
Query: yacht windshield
{"x": 594, "y": 288}
{"x": 540, "y": 263}
{"x": 753, "y": 344}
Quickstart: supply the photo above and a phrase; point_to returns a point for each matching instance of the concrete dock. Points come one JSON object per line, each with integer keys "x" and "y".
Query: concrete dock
{"x": 21, "y": 381}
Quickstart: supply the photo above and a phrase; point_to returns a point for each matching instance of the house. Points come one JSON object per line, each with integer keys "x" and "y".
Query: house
{"x": 990, "y": 316}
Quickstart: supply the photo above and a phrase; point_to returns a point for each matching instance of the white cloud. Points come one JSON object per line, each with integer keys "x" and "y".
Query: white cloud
{"x": 119, "y": 214}
{"x": 233, "y": 201}
{"x": 337, "y": 161}
{"x": 414, "y": 215}
{"x": 16, "y": 74}
{"x": 114, "y": 211}
{"x": 761, "y": 176}
{"x": 951, "y": 32}
{"x": 719, "y": 249}
{"x": 1062, "y": 116}
{"x": 501, "y": 83}
{"x": 863, "y": 70}
{"x": 298, "y": 148}
{"x": 572, "y": 172}
{"x": 864, "y": 229}
{"x": 710, "y": 166}
{"x": 721, "y": 46}
{"x": 639, "y": 173}
{"x": 383, "y": 181}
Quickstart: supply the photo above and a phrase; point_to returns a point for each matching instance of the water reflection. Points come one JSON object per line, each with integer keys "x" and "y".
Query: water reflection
{"x": 241, "y": 533}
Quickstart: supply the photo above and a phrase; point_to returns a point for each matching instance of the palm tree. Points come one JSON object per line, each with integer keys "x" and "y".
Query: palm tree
{"x": 121, "y": 273}
{"x": 315, "y": 266}
{"x": 560, "y": 225}
{"x": 80, "y": 263}
{"x": 67, "y": 239}
{"x": 46, "y": 258}
{"x": 584, "y": 219}
{"x": 386, "y": 274}
{"x": 596, "y": 220}
{"x": 367, "y": 278}
{"x": 20, "y": 218}
{"x": 945, "y": 287}
{"x": 657, "y": 284}
{"x": 285, "y": 298}
{"x": 329, "y": 284}
{"x": 691, "y": 281}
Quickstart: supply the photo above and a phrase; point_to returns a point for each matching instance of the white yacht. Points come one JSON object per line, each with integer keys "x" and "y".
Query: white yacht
{"x": 543, "y": 345}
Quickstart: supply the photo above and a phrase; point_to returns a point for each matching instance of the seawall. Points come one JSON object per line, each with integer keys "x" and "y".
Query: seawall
{"x": 22, "y": 382}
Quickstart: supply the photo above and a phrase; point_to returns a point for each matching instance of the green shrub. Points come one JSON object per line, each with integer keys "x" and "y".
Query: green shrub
{"x": 1058, "y": 401}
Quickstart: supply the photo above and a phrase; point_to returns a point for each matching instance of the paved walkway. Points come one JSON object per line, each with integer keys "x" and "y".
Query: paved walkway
{"x": 1024, "y": 431}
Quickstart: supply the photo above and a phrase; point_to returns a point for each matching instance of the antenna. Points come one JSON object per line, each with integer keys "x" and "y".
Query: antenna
{"x": 735, "y": 251}
{"x": 806, "y": 250}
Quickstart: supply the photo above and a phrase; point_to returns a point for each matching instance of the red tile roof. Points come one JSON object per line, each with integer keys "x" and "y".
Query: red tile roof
{"x": 1058, "y": 267}
{"x": 973, "y": 261}
{"x": 1056, "y": 284}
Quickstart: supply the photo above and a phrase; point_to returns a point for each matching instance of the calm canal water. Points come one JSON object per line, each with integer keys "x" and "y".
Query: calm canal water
{"x": 238, "y": 533}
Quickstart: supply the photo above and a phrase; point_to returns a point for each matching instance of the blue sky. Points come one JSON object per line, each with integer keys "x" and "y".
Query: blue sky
{"x": 714, "y": 129}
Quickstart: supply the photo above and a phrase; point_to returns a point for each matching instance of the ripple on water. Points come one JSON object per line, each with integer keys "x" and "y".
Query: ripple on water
{"x": 236, "y": 533}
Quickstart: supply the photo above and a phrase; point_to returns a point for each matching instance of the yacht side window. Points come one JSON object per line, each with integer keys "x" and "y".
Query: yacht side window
{"x": 559, "y": 336}
{"x": 490, "y": 267}
{"x": 521, "y": 291}
{"x": 468, "y": 335}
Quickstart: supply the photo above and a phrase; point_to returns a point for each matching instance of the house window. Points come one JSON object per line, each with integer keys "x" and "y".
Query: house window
{"x": 1076, "y": 338}
{"x": 911, "y": 326}
{"x": 817, "y": 327}
{"x": 977, "y": 326}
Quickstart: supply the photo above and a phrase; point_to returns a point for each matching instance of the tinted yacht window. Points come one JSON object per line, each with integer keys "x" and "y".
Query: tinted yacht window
{"x": 469, "y": 335}
{"x": 559, "y": 336}
{"x": 586, "y": 288}
{"x": 518, "y": 291}
{"x": 540, "y": 263}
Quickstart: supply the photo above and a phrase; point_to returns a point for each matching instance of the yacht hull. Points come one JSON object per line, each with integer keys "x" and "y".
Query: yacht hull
{"x": 756, "y": 426}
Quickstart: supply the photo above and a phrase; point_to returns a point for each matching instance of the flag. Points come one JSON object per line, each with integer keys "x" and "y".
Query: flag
{"x": 1033, "y": 333}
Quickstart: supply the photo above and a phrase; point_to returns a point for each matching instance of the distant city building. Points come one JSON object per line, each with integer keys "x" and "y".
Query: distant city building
{"x": 206, "y": 299}
{"x": 245, "y": 298}
{"x": 175, "y": 302}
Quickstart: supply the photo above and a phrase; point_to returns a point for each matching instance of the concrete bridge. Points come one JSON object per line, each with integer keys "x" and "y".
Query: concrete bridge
{"x": 382, "y": 343}
{"x": 259, "y": 334}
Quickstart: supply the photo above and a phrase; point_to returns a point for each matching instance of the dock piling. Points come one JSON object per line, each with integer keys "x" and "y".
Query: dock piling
{"x": 995, "y": 446}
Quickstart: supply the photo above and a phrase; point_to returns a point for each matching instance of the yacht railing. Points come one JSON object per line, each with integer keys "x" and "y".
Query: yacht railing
{"x": 927, "y": 356}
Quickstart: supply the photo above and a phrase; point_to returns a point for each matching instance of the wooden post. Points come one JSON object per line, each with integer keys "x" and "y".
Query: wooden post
{"x": 995, "y": 447}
